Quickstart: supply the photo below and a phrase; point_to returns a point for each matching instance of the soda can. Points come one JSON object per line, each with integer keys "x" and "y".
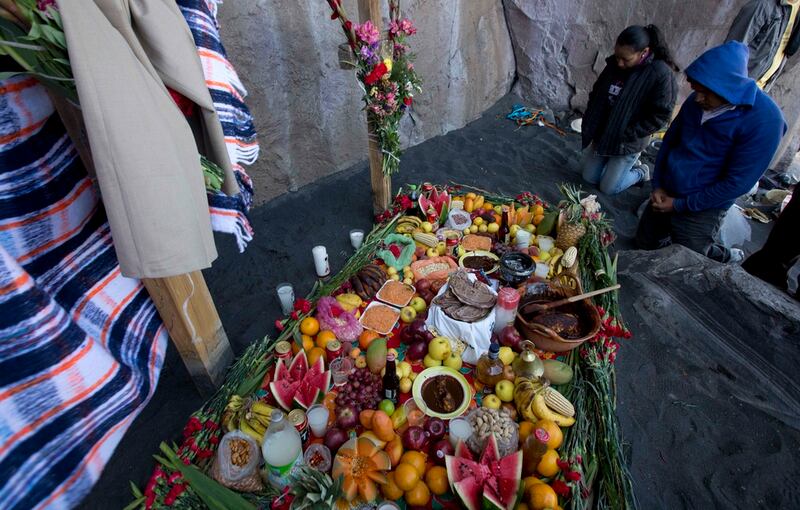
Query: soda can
{"x": 283, "y": 350}
{"x": 299, "y": 419}
{"x": 334, "y": 349}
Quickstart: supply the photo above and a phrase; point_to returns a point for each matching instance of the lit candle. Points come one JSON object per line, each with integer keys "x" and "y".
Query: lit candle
{"x": 286, "y": 297}
{"x": 321, "y": 261}
{"x": 356, "y": 238}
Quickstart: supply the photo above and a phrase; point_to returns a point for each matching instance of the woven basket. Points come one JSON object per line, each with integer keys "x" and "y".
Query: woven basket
{"x": 545, "y": 338}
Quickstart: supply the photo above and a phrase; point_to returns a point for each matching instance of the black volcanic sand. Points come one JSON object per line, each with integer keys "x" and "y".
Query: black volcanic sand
{"x": 699, "y": 434}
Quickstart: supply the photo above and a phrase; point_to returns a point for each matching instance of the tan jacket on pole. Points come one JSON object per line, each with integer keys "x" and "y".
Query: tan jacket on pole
{"x": 124, "y": 53}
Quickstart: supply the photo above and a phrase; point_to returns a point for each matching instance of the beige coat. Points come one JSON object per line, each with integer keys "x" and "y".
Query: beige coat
{"x": 123, "y": 55}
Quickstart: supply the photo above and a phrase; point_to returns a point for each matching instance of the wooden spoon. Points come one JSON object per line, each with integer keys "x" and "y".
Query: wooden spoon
{"x": 533, "y": 308}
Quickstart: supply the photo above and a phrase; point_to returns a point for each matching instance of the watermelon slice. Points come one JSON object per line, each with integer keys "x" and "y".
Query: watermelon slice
{"x": 299, "y": 384}
{"x": 492, "y": 483}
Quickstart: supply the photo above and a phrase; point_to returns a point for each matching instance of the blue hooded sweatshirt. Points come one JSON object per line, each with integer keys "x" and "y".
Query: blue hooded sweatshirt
{"x": 707, "y": 166}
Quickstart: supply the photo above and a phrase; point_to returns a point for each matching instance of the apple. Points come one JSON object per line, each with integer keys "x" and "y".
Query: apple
{"x": 510, "y": 410}
{"x": 418, "y": 304}
{"x": 346, "y": 417}
{"x": 453, "y": 361}
{"x": 492, "y": 402}
{"x": 427, "y": 226}
{"x": 439, "y": 348}
{"x": 408, "y": 314}
{"x": 419, "y": 252}
{"x": 506, "y": 354}
{"x": 431, "y": 252}
{"x": 504, "y": 390}
{"x": 405, "y": 385}
{"x": 387, "y": 406}
{"x": 404, "y": 368}
{"x": 508, "y": 373}
{"x": 431, "y": 362}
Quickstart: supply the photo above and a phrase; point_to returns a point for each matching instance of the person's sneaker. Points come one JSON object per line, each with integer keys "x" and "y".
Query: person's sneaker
{"x": 737, "y": 256}
{"x": 645, "y": 168}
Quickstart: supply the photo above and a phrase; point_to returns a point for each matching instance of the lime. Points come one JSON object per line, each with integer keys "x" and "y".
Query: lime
{"x": 387, "y": 406}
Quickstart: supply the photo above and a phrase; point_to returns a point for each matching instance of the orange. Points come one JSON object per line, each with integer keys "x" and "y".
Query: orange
{"x": 538, "y": 210}
{"x": 436, "y": 479}
{"x": 390, "y": 489}
{"x": 556, "y": 436}
{"x": 542, "y": 496}
{"x": 419, "y": 495}
{"x": 522, "y": 506}
{"x": 295, "y": 347}
{"x": 366, "y": 338}
{"x": 525, "y": 430}
{"x": 538, "y": 219}
{"x": 314, "y": 354}
{"x": 324, "y": 337}
{"x": 530, "y": 481}
{"x": 308, "y": 342}
{"x": 548, "y": 465}
{"x": 309, "y": 326}
{"x": 406, "y": 477}
{"x": 416, "y": 459}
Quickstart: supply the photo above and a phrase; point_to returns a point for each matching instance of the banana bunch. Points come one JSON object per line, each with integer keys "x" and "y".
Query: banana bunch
{"x": 536, "y": 401}
{"x": 255, "y": 421}
{"x": 251, "y": 417}
{"x": 407, "y": 225}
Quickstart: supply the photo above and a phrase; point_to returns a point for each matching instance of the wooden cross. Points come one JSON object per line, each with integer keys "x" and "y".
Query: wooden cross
{"x": 381, "y": 183}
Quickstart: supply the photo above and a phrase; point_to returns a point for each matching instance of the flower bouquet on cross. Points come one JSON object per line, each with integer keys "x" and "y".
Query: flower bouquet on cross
{"x": 385, "y": 72}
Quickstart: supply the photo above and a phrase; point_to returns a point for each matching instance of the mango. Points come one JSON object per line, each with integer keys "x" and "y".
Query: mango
{"x": 376, "y": 355}
{"x": 557, "y": 372}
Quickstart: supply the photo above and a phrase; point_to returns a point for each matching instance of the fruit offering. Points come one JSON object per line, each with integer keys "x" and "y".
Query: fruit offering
{"x": 363, "y": 391}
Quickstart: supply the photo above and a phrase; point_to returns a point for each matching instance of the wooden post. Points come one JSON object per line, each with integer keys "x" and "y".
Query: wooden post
{"x": 186, "y": 307}
{"x": 381, "y": 183}
{"x": 182, "y": 301}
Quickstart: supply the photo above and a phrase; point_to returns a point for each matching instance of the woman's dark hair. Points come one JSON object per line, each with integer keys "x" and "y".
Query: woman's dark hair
{"x": 639, "y": 38}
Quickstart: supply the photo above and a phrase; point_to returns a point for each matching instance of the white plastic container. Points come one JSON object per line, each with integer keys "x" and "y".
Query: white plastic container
{"x": 282, "y": 450}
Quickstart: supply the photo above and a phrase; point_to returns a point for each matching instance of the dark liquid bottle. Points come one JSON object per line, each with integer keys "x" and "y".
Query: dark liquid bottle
{"x": 502, "y": 233}
{"x": 391, "y": 383}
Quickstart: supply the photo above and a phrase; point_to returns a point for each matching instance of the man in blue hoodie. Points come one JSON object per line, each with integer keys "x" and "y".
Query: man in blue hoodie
{"x": 716, "y": 149}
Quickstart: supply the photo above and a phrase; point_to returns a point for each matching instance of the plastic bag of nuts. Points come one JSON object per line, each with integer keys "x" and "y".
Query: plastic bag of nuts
{"x": 236, "y": 463}
{"x": 486, "y": 421}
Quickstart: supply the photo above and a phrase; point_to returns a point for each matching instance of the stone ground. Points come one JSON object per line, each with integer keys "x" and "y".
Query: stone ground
{"x": 703, "y": 431}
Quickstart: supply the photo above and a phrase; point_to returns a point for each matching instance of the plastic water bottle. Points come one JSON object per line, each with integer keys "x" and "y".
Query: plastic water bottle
{"x": 282, "y": 449}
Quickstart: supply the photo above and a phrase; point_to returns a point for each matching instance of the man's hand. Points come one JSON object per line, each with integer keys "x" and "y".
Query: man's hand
{"x": 665, "y": 205}
{"x": 658, "y": 196}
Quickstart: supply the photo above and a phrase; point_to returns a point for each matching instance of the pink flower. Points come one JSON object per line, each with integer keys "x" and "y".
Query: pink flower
{"x": 368, "y": 33}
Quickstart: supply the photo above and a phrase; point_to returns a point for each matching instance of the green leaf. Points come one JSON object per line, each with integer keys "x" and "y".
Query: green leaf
{"x": 55, "y": 36}
{"x": 135, "y": 490}
{"x": 138, "y": 503}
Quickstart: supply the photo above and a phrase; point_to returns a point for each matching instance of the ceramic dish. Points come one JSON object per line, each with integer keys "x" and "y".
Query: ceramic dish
{"x": 375, "y": 304}
{"x": 481, "y": 253}
{"x": 430, "y": 373}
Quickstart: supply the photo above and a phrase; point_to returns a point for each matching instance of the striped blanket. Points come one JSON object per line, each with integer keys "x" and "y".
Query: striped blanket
{"x": 228, "y": 214}
{"x": 81, "y": 346}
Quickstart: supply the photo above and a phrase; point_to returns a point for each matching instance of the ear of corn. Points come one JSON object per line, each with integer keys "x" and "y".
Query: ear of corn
{"x": 558, "y": 402}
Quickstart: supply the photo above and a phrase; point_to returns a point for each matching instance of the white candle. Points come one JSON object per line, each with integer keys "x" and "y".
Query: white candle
{"x": 542, "y": 270}
{"x": 356, "y": 238}
{"x": 545, "y": 243}
{"x": 286, "y": 297}
{"x": 523, "y": 239}
{"x": 321, "y": 261}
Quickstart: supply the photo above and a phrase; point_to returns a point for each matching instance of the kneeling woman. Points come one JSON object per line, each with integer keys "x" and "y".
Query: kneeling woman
{"x": 632, "y": 99}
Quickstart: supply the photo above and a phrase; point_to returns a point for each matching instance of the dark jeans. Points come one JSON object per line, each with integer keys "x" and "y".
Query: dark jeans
{"x": 695, "y": 230}
{"x": 782, "y": 247}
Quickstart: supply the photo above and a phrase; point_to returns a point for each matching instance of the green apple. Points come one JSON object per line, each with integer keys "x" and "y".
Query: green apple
{"x": 439, "y": 348}
{"x": 427, "y": 226}
{"x": 418, "y": 304}
{"x": 492, "y": 402}
{"x": 408, "y": 314}
{"x": 453, "y": 361}
{"x": 387, "y": 406}
{"x": 504, "y": 390}
{"x": 431, "y": 252}
{"x": 506, "y": 355}
{"x": 405, "y": 385}
{"x": 404, "y": 368}
{"x": 430, "y": 362}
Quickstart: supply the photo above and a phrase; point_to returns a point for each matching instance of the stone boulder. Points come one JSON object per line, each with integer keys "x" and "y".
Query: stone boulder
{"x": 309, "y": 112}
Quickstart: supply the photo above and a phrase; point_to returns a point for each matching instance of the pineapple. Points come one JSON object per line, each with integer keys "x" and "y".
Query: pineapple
{"x": 570, "y": 221}
{"x": 314, "y": 490}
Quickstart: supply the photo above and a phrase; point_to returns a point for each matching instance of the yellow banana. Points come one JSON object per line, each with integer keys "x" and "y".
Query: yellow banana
{"x": 259, "y": 407}
{"x": 540, "y": 409}
{"x": 257, "y": 425}
{"x": 250, "y": 431}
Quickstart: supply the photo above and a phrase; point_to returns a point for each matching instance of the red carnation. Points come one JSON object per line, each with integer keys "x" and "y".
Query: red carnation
{"x": 374, "y": 76}
{"x": 279, "y": 325}
{"x": 572, "y": 476}
{"x": 407, "y": 101}
{"x": 561, "y": 488}
{"x": 294, "y": 315}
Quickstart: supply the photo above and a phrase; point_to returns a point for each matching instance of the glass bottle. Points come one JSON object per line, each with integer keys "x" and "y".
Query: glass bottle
{"x": 282, "y": 450}
{"x": 489, "y": 369}
{"x": 391, "y": 383}
{"x": 502, "y": 233}
{"x": 533, "y": 449}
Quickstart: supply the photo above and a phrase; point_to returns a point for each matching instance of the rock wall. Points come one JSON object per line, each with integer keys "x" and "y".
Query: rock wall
{"x": 308, "y": 110}
{"x": 561, "y": 46}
